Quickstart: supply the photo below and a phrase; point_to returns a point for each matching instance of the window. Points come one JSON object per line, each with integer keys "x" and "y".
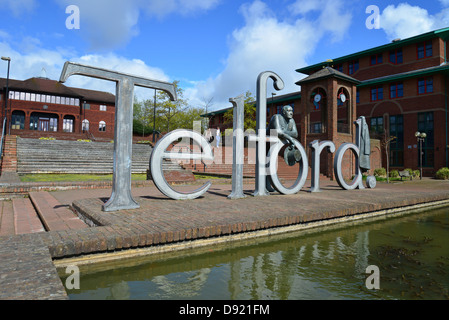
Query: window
{"x": 377, "y": 93}
{"x": 357, "y": 98}
{"x": 425, "y": 124}
{"x": 18, "y": 120}
{"x": 397, "y": 145}
{"x": 339, "y": 67}
{"x": 377, "y": 125}
{"x": 102, "y": 127}
{"x": 425, "y": 85}
{"x": 376, "y": 59}
{"x": 353, "y": 66}
{"x": 67, "y": 125}
{"x": 85, "y": 125}
{"x": 396, "y": 90}
{"x": 396, "y": 56}
{"x": 425, "y": 50}
{"x": 315, "y": 127}
{"x": 103, "y": 107}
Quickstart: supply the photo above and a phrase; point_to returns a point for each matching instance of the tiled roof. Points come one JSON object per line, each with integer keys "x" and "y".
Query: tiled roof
{"x": 48, "y": 86}
{"x": 326, "y": 73}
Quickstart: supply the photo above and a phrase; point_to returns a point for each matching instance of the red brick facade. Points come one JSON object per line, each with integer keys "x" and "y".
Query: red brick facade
{"x": 40, "y": 107}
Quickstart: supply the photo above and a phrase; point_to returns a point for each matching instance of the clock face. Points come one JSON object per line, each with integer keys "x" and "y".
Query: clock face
{"x": 343, "y": 98}
{"x": 317, "y": 98}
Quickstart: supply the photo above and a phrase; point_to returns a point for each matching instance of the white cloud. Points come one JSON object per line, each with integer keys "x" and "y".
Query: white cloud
{"x": 265, "y": 43}
{"x": 404, "y": 20}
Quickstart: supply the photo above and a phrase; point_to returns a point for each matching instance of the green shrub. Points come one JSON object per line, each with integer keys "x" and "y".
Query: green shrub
{"x": 394, "y": 173}
{"x": 416, "y": 173}
{"x": 442, "y": 174}
{"x": 47, "y": 138}
{"x": 381, "y": 172}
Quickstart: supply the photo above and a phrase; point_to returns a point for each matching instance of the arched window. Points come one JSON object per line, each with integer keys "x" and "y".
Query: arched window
{"x": 343, "y": 111}
{"x": 318, "y": 112}
{"x": 85, "y": 125}
{"x": 68, "y": 123}
{"x": 18, "y": 120}
{"x": 102, "y": 127}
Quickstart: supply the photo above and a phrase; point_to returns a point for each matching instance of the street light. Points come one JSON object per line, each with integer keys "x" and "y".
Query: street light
{"x": 421, "y": 136}
{"x": 7, "y": 89}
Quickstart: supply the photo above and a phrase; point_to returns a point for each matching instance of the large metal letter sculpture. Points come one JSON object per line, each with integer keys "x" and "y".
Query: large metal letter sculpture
{"x": 121, "y": 197}
{"x": 317, "y": 148}
{"x": 261, "y": 124}
{"x": 357, "y": 182}
{"x": 302, "y": 175}
{"x": 159, "y": 153}
{"x": 238, "y": 148}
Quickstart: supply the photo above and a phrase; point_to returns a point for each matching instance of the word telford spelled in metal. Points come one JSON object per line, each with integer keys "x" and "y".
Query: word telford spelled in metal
{"x": 281, "y": 134}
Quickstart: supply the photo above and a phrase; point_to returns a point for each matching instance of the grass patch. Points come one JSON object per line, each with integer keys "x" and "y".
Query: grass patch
{"x": 38, "y": 177}
{"x": 207, "y": 177}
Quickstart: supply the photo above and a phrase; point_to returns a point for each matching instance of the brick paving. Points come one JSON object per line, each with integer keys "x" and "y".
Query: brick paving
{"x": 162, "y": 221}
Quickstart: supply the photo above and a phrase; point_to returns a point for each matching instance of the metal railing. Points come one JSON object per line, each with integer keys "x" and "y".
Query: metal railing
{"x": 3, "y": 139}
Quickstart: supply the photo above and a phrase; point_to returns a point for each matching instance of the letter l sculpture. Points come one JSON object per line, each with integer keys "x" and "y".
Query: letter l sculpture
{"x": 121, "y": 198}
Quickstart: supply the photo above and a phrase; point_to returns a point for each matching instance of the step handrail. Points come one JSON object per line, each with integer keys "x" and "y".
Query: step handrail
{"x": 3, "y": 138}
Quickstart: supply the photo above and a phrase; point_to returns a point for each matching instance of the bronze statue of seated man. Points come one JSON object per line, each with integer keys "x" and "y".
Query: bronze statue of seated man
{"x": 285, "y": 126}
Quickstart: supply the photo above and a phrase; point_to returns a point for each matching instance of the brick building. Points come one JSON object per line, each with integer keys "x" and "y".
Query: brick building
{"x": 40, "y": 107}
{"x": 400, "y": 87}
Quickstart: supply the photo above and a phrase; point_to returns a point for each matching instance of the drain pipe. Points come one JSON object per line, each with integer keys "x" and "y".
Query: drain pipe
{"x": 446, "y": 103}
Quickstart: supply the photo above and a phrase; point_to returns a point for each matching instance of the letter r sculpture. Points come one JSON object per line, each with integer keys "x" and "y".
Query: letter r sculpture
{"x": 121, "y": 198}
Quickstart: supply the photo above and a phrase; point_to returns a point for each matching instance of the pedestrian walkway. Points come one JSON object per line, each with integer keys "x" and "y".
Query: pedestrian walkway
{"x": 160, "y": 221}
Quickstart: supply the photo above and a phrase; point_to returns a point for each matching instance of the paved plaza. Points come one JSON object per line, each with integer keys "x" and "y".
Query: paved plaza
{"x": 27, "y": 258}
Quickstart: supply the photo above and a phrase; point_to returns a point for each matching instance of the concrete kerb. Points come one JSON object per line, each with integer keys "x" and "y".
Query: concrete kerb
{"x": 247, "y": 237}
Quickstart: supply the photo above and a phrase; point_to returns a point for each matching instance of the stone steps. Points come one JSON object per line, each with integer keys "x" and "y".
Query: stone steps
{"x": 63, "y": 156}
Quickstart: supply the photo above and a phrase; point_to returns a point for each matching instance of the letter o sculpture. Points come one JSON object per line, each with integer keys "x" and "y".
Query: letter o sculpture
{"x": 302, "y": 175}
{"x": 357, "y": 181}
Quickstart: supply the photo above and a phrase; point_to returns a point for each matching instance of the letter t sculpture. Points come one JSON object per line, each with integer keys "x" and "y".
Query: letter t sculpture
{"x": 121, "y": 198}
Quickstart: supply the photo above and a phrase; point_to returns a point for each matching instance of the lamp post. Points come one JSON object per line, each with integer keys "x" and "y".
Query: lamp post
{"x": 154, "y": 117}
{"x": 7, "y": 88}
{"x": 421, "y": 136}
{"x": 272, "y": 98}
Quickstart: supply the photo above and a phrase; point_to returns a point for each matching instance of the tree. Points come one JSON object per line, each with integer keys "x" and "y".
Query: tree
{"x": 385, "y": 142}
{"x": 167, "y": 110}
{"x": 249, "y": 110}
{"x": 207, "y": 103}
{"x": 142, "y": 118}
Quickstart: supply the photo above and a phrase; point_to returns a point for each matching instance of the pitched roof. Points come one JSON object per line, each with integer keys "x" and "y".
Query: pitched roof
{"x": 327, "y": 72}
{"x": 48, "y": 86}
{"x": 441, "y": 33}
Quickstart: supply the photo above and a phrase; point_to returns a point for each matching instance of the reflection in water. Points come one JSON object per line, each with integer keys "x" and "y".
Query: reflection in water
{"x": 411, "y": 253}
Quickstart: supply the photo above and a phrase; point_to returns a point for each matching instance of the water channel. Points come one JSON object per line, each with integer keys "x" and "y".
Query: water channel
{"x": 411, "y": 252}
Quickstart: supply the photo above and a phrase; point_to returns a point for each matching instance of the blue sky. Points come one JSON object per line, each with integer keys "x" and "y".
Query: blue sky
{"x": 215, "y": 48}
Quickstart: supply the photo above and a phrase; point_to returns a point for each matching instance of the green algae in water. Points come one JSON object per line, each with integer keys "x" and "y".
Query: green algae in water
{"x": 411, "y": 252}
